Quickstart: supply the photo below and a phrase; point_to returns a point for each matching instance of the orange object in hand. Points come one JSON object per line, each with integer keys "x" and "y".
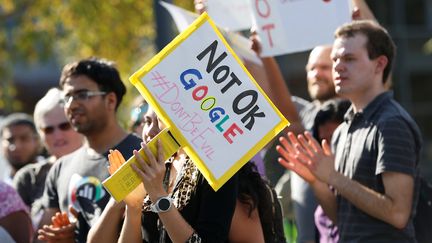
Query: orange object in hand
{"x": 60, "y": 220}
{"x": 115, "y": 159}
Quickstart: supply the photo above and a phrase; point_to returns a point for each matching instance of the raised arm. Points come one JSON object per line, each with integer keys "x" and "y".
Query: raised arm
{"x": 278, "y": 90}
{"x": 362, "y": 11}
{"x": 152, "y": 174}
{"x": 214, "y": 209}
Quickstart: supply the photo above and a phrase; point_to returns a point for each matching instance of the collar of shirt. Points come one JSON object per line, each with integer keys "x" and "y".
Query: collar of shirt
{"x": 370, "y": 109}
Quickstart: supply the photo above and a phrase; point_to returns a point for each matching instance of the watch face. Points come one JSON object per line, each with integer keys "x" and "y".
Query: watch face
{"x": 164, "y": 204}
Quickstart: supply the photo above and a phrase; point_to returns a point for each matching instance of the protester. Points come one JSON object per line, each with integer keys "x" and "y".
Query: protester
{"x": 136, "y": 123}
{"x": 296, "y": 193}
{"x": 174, "y": 203}
{"x": 59, "y": 139}
{"x": 321, "y": 89}
{"x": 4, "y": 173}
{"x": 263, "y": 73}
{"x": 20, "y": 142}
{"x": 92, "y": 91}
{"x": 328, "y": 118}
{"x": 15, "y": 223}
{"x": 200, "y": 6}
{"x": 258, "y": 214}
{"x": 376, "y": 175}
{"x": 53, "y": 127}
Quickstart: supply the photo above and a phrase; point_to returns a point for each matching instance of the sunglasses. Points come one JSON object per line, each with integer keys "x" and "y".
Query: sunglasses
{"x": 65, "y": 126}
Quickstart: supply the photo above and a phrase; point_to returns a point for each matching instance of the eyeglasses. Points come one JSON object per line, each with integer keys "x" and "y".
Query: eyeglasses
{"x": 81, "y": 95}
{"x": 65, "y": 126}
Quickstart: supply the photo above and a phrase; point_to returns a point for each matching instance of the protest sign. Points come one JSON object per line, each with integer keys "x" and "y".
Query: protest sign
{"x": 182, "y": 18}
{"x": 209, "y": 101}
{"x": 241, "y": 45}
{"x": 231, "y": 15}
{"x": 289, "y": 26}
{"x": 124, "y": 180}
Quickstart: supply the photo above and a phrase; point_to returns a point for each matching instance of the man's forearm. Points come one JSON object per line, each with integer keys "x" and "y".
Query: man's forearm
{"x": 326, "y": 198}
{"x": 377, "y": 205}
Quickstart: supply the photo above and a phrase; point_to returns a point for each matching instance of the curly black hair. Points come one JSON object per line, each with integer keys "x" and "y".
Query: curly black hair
{"x": 255, "y": 192}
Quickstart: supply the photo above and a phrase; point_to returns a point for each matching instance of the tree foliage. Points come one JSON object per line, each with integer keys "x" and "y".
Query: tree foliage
{"x": 66, "y": 30}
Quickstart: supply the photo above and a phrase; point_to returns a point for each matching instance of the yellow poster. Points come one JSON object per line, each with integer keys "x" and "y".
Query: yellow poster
{"x": 212, "y": 105}
{"x": 125, "y": 180}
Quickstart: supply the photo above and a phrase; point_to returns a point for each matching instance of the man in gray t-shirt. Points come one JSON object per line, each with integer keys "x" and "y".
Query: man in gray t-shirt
{"x": 76, "y": 180}
{"x": 92, "y": 91}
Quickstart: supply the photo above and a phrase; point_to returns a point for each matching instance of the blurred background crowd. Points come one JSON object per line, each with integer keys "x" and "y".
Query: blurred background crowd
{"x": 38, "y": 37}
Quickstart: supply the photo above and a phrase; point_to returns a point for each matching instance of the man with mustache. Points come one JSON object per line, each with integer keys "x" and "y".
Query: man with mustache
{"x": 20, "y": 142}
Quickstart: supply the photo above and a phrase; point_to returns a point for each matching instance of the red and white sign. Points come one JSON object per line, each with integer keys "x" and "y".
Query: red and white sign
{"x": 287, "y": 26}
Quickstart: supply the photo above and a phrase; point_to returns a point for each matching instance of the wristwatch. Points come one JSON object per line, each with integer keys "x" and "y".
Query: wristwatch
{"x": 161, "y": 205}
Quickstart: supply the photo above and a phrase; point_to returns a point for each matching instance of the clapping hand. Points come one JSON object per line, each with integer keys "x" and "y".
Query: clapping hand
{"x": 61, "y": 230}
{"x": 304, "y": 155}
{"x": 136, "y": 197}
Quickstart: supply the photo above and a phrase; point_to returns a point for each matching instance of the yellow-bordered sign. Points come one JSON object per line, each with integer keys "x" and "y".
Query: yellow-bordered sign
{"x": 125, "y": 179}
{"x": 212, "y": 105}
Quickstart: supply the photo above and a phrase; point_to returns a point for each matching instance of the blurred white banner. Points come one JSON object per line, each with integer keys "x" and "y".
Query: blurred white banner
{"x": 287, "y": 26}
{"x": 231, "y": 15}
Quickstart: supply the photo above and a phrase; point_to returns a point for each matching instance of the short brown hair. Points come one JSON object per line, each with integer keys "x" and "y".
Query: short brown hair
{"x": 379, "y": 42}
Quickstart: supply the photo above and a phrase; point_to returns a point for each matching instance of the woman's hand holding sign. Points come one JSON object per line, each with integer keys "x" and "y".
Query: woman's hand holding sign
{"x": 152, "y": 172}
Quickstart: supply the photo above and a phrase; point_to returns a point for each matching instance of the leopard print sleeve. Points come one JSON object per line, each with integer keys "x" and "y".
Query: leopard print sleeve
{"x": 194, "y": 238}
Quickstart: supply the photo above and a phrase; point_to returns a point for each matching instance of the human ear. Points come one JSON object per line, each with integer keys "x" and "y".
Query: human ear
{"x": 111, "y": 100}
{"x": 381, "y": 63}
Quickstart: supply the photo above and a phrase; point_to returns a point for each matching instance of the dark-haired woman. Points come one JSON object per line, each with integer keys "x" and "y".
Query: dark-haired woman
{"x": 174, "y": 204}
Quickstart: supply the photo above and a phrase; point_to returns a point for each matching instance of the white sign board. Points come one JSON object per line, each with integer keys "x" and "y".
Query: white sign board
{"x": 287, "y": 26}
{"x": 231, "y": 15}
{"x": 241, "y": 45}
{"x": 212, "y": 105}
